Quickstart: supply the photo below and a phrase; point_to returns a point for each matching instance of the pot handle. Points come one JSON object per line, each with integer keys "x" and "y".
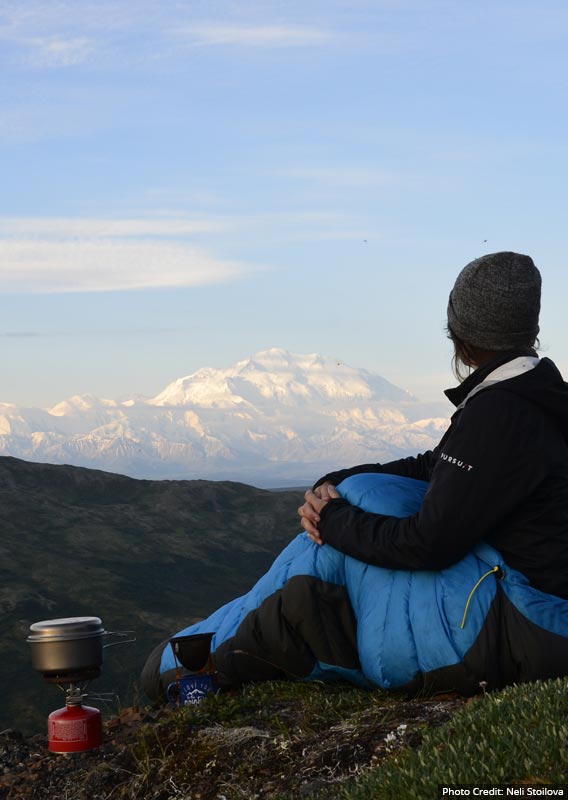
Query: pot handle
{"x": 125, "y": 636}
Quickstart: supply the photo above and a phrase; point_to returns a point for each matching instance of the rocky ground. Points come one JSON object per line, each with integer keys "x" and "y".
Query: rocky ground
{"x": 273, "y": 741}
{"x": 29, "y": 770}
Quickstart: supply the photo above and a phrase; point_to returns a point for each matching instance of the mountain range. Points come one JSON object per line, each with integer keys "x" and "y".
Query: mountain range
{"x": 274, "y": 419}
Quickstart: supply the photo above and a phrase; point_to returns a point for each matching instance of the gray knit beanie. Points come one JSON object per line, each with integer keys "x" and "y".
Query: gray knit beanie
{"x": 495, "y": 302}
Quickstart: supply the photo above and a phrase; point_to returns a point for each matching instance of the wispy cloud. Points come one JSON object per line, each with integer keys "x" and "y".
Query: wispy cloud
{"x": 47, "y": 255}
{"x": 338, "y": 175}
{"x": 41, "y": 34}
{"x": 95, "y": 333}
{"x": 19, "y": 334}
{"x": 93, "y": 255}
{"x": 44, "y": 266}
{"x": 58, "y": 51}
{"x": 57, "y": 227}
{"x": 254, "y": 35}
{"x": 307, "y": 226}
{"x": 45, "y": 36}
{"x": 63, "y": 34}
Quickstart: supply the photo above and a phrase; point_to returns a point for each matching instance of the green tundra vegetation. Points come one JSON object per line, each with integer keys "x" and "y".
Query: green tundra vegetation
{"x": 311, "y": 740}
{"x": 307, "y": 740}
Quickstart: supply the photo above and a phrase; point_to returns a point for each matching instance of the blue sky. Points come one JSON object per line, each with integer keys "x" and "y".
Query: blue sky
{"x": 186, "y": 183}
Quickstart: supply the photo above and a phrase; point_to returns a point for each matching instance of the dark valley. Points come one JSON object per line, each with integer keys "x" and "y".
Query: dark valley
{"x": 148, "y": 556}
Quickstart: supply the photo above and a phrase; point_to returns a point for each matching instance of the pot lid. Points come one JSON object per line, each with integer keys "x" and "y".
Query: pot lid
{"x": 62, "y": 630}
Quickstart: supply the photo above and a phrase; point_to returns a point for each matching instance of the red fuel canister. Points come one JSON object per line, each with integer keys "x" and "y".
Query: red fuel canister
{"x": 74, "y": 729}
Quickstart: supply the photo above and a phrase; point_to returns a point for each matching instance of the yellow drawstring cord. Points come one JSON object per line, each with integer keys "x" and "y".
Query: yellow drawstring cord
{"x": 490, "y": 572}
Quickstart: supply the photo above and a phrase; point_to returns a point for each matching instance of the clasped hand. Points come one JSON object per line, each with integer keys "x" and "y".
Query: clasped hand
{"x": 310, "y": 511}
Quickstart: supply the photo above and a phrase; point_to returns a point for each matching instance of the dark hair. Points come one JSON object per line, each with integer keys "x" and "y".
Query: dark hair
{"x": 463, "y": 357}
{"x": 467, "y": 355}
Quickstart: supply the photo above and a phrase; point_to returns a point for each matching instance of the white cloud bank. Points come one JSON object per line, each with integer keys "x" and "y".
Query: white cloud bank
{"x": 90, "y": 255}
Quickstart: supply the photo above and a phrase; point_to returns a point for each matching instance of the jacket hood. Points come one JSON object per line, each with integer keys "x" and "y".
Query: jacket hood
{"x": 544, "y": 386}
{"x": 458, "y": 394}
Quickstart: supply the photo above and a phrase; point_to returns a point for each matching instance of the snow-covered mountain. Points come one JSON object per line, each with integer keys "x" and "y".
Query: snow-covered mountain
{"x": 276, "y": 418}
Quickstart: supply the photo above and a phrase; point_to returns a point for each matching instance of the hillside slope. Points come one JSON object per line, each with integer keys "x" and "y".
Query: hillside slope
{"x": 148, "y": 556}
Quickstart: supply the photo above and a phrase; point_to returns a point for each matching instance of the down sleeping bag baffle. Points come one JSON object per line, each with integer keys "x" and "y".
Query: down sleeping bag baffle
{"x": 318, "y": 614}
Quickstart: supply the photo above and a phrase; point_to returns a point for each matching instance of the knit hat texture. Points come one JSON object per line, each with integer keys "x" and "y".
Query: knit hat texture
{"x": 495, "y": 302}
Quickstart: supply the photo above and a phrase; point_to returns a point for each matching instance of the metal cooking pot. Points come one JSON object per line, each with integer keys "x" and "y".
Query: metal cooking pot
{"x": 73, "y": 645}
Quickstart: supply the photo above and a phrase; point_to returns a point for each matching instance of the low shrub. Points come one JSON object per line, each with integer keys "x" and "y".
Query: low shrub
{"x": 517, "y": 736}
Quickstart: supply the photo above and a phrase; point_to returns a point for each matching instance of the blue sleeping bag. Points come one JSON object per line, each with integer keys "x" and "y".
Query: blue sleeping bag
{"x": 478, "y": 620}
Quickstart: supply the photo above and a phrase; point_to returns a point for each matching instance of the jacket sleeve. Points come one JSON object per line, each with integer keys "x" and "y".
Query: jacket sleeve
{"x": 490, "y": 461}
{"x": 419, "y": 467}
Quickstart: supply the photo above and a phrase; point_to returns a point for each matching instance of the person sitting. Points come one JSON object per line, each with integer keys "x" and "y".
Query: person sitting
{"x": 395, "y": 556}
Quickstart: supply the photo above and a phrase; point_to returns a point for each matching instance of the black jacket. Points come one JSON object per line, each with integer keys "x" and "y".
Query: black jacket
{"x": 499, "y": 474}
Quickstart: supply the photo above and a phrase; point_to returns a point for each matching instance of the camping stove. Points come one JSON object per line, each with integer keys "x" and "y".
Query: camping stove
{"x": 69, "y": 653}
